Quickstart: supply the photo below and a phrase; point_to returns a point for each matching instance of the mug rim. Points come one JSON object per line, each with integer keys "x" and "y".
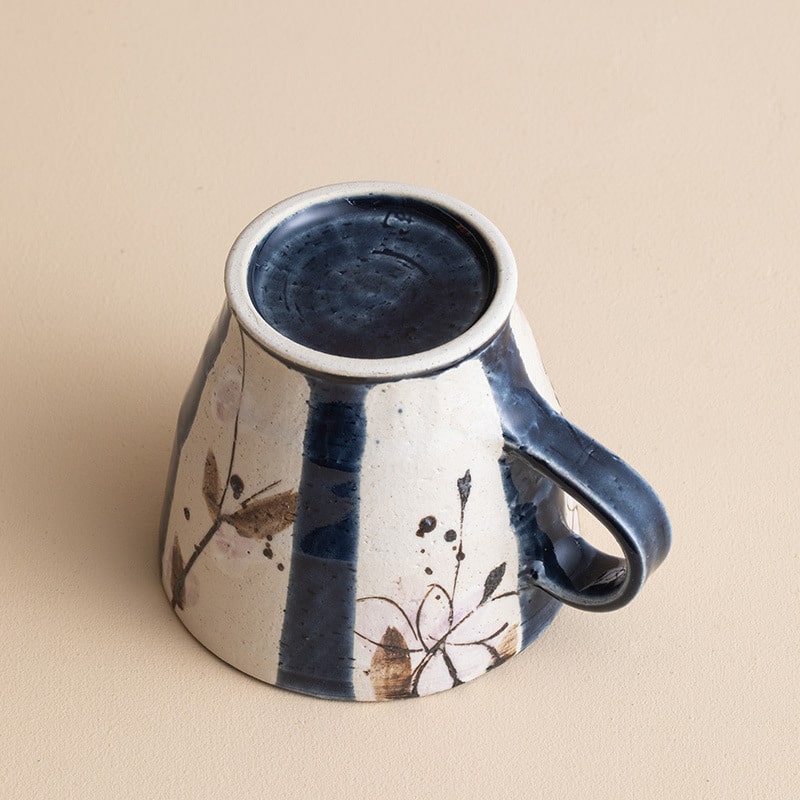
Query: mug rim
{"x": 317, "y": 362}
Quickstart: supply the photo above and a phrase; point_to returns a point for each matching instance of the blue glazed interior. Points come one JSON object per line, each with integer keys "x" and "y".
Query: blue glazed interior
{"x": 372, "y": 277}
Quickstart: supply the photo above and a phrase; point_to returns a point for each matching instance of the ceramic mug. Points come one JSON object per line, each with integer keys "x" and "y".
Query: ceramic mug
{"x": 372, "y": 493}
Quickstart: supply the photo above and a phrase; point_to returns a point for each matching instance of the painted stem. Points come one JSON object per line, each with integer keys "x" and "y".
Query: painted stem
{"x": 198, "y": 549}
{"x": 432, "y": 652}
{"x": 235, "y": 431}
{"x": 451, "y": 668}
{"x": 253, "y": 496}
{"x": 459, "y": 558}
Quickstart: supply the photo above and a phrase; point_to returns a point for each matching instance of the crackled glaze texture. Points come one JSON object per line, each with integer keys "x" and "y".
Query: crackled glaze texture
{"x": 382, "y": 538}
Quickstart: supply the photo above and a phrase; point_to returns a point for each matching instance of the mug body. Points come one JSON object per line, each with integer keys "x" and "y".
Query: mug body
{"x": 357, "y": 538}
{"x": 363, "y": 500}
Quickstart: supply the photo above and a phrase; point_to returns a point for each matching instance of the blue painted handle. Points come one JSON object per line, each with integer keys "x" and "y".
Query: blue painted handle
{"x": 614, "y": 493}
{"x": 578, "y": 574}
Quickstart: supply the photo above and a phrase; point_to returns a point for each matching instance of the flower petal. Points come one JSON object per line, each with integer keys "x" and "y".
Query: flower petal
{"x": 375, "y": 615}
{"x": 434, "y": 676}
{"x": 472, "y": 660}
{"x": 487, "y": 621}
{"x": 434, "y": 615}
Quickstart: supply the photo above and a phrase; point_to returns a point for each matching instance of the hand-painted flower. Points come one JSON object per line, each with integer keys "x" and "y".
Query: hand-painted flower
{"x": 435, "y": 643}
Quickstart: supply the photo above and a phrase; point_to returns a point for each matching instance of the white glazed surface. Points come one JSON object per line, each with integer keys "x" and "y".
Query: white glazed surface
{"x": 234, "y": 594}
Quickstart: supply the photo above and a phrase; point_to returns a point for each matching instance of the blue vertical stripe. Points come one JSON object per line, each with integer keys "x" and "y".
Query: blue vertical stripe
{"x": 316, "y": 648}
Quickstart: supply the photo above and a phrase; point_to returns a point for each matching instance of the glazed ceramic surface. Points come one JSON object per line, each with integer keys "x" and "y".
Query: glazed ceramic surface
{"x": 394, "y": 524}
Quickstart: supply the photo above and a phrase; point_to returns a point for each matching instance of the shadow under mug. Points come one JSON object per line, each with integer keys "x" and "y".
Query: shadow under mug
{"x": 373, "y": 492}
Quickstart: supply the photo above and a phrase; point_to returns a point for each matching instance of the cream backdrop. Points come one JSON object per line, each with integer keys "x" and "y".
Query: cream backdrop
{"x": 643, "y": 159}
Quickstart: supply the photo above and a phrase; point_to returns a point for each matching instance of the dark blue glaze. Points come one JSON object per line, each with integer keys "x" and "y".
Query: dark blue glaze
{"x": 534, "y": 509}
{"x": 552, "y": 559}
{"x": 371, "y": 277}
{"x": 188, "y": 412}
{"x": 316, "y": 648}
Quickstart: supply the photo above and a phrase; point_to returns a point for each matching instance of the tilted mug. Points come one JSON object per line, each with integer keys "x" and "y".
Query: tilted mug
{"x": 373, "y": 493}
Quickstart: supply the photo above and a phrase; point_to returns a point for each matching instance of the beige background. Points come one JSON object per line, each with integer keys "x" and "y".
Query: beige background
{"x": 643, "y": 159}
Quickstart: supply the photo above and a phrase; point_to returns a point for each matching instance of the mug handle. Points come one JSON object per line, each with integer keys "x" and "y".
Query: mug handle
{"x": 599, "y": 480}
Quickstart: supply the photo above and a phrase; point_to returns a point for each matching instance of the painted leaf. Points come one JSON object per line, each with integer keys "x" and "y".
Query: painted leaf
{"x": 212, "y": 491}
{"x": 507, "y": 646}
{"x": 464, "y": 486}
{"x": 265, "y": 516}
{"x": 492, "y": 582}
{"x": 390, "y": 670}
{"x": 177, "y": 577}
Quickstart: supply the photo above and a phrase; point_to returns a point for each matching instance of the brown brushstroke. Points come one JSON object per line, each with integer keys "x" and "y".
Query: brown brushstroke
{"x": 390, "y": 668}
